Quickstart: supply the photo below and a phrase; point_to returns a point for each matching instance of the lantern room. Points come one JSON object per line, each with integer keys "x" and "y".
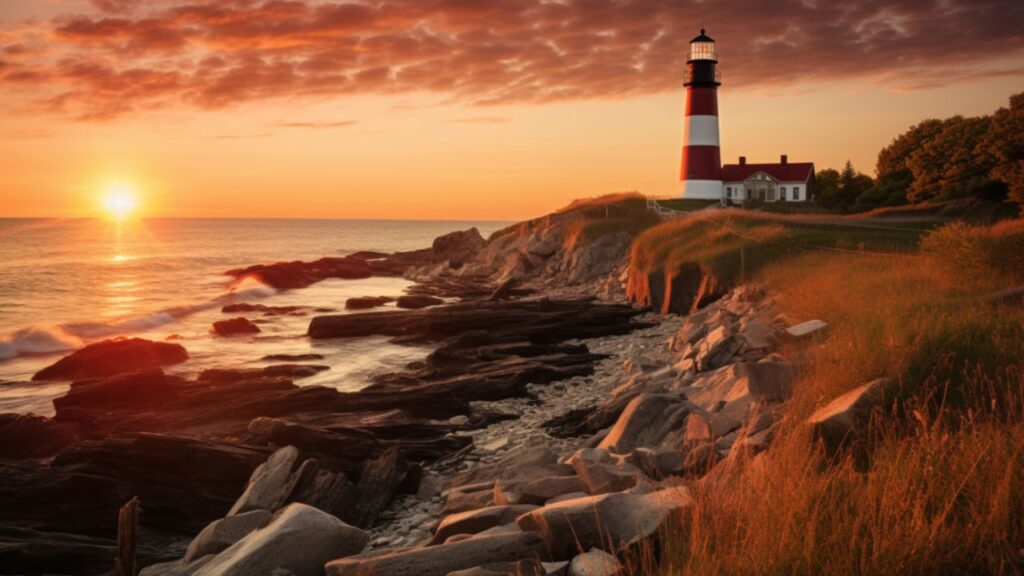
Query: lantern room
{"x": 700, "y": 65}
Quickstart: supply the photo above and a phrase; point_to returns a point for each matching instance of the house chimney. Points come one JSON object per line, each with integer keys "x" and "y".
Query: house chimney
{"x": 784, "y": 159}
{"x": 743, "y": 160}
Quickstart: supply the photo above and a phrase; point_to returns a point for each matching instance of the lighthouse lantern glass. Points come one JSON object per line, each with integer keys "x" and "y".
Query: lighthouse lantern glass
{"x": 703, "y": 51}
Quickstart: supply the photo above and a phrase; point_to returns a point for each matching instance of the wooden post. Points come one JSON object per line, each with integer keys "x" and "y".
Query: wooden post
{"x": 127, "y": 529}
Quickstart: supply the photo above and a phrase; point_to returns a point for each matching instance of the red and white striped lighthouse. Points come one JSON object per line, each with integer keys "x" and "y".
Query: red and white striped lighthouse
{"x": 702, "y": 161}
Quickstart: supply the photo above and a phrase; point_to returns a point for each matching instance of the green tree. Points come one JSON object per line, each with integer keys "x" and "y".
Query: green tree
{"x": 826, "y": 187}
{"x": 1005, "y": 143}
{"x": 952, "y": 162}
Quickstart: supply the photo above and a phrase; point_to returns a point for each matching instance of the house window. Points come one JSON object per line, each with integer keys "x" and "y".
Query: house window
{"x": 782, "y": 192}
{"x": 796, "y": 192}
{"x": 728, "y": 191}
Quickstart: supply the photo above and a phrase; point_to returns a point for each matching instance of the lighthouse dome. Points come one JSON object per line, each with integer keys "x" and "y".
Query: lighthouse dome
{"x": 702, "y": 37}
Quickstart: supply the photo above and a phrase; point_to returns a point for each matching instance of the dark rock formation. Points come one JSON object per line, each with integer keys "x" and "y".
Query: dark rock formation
{"x": 290, "y": 371}
{"x": 31, "y": 436}
{"x": 235, "y": 327}
{"x": 417, "y": 301}
{"x": 459, "y": 246}
{"x": 291, "y": 275}
{"x": 292, "y": 357}
{"x": 111, "y": 357}
{"x": 262, "y": 308}
{"x": 367, "y": 302}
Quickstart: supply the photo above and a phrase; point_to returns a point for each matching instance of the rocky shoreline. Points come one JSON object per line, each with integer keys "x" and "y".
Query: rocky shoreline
{"x": 554, "y": 428}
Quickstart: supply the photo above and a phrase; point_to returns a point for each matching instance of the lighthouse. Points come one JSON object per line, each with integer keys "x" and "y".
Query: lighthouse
{"x": 701, "y": 171}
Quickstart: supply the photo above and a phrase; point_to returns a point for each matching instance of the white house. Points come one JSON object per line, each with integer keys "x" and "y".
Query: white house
{"x": 782, "y": 182}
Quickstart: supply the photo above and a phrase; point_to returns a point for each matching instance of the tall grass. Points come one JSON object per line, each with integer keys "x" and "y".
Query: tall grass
{"x": 942, "y": 491}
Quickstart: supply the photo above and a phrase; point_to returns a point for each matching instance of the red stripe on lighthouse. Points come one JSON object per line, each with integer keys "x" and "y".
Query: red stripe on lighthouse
{"x": 701, "y": 163}
{"x": 701, "y": 101}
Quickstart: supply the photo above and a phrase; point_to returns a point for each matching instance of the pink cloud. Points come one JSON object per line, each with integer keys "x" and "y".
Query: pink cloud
{"x": 133, "y": 55}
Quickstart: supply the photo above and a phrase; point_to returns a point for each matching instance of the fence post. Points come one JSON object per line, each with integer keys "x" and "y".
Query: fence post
{"x": 127, "y": 527}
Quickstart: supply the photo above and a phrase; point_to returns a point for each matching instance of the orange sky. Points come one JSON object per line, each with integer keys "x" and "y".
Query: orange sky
{"x": 121, "y": 91}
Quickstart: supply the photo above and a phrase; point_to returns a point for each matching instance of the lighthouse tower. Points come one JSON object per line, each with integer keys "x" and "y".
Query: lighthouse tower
{"x": 702, "y": 162}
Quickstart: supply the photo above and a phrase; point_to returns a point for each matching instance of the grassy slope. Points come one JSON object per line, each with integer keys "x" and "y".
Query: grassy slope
{"x": 942, "y": 488}
{"x": 733, "y": 244}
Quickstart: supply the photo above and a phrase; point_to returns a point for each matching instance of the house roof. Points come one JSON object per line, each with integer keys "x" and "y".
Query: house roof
{"x": 789, "y": 172}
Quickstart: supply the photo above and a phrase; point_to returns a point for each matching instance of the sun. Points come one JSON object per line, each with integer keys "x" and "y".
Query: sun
{"x": 120, "y": 200}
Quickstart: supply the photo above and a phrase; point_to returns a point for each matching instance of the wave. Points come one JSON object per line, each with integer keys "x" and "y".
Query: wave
{"x": 67, "y": 337}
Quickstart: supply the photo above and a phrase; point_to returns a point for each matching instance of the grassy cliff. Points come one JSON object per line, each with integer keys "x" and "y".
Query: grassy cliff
{"x": 937, "y": 485}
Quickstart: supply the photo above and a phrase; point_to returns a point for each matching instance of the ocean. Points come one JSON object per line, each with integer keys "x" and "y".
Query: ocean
{"x": 66, "y": 283}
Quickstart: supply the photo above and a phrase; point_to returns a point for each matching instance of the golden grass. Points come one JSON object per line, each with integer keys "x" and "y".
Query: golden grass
{"x": 942, "y": 491}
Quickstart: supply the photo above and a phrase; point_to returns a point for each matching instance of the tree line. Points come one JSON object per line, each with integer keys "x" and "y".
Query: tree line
{"x": 936, "y": 160}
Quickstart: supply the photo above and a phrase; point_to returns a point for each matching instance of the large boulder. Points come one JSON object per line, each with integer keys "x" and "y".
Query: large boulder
{"x": 843, "y": 420}
{"x": 224, "y": 532}
{"x": 444, "y": 559}
{"x": 645, "y": 422}
{"x": 235, "y": 327}
{"x": 475, "y": 521}
{"x": 367, "y": 302}
{"x": 298, "y": 541}
{"x": 417, "y": 301}
{"x": 536, "y": 490}
{"x": 113, "y": 357}
{"x": 603, "y": 473}
{"x": 610, "y": 522}
{"x": 459, "y": 246}
{"x": 270, "y": 484}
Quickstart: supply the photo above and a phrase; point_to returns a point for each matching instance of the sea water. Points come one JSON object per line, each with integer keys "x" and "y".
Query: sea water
{"x": 66, "y": 283}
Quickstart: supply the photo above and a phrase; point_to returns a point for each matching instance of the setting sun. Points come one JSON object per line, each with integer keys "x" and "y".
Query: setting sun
{"x": 120, "y": 201}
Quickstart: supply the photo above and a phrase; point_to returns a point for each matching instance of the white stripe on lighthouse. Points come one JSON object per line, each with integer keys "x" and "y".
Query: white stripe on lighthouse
{"x": 702, "y": 189}
{"x": 701, "y": 131}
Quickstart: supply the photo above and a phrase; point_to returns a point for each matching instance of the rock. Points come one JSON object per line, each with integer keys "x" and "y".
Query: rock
{"x": 807, "y": 329}
{"x": 601, "y": 473}
{"x": 566, "y": 496}
{"x": 658, "y": 463}
{"x": 290, "y": 371}
{"x": 367, "y": 302}
{"x": 610, "y": 522}
{"x": 222, "y": 533}
{"x": 842, "y": 420}
{"x": 378, "y": 482}
{"x": 460, "y": 501}
{"x": 429, "y": 488}
{"x": 458, "y": 247}
{"x": 176, "y": 568}
{"x": 536, "y": 490}
{"x": 31, "y": 436}
{"x": 235, "y": 327}
{"x": 262, "y": 308}
{"x": 298, "y": 541}
{"x": 292, "y": 357}
{"x": 270, "y": 483}
{"x": 594, "y": 563}
{"x": 113, "y": 357}
{"x": 518, "y": 568}
{"x": 495, "y": 445}
{"x": 444, "y": 559}
{"x": 645, "y": 422}
{"x": 415, "y": 301}
{"x": 350, "y": 445}
{"x": 292, "y": 275}
{"x": 474, "y": 521}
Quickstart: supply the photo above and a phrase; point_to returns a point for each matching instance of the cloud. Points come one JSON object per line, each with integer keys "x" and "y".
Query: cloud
{"x": 127, "y": 56}
{"x": 318, "y": 125}
{"x": 480, "y": 120}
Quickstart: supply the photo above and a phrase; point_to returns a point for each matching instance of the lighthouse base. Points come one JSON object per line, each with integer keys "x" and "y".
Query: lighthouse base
{"x": 702, "y": 189}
